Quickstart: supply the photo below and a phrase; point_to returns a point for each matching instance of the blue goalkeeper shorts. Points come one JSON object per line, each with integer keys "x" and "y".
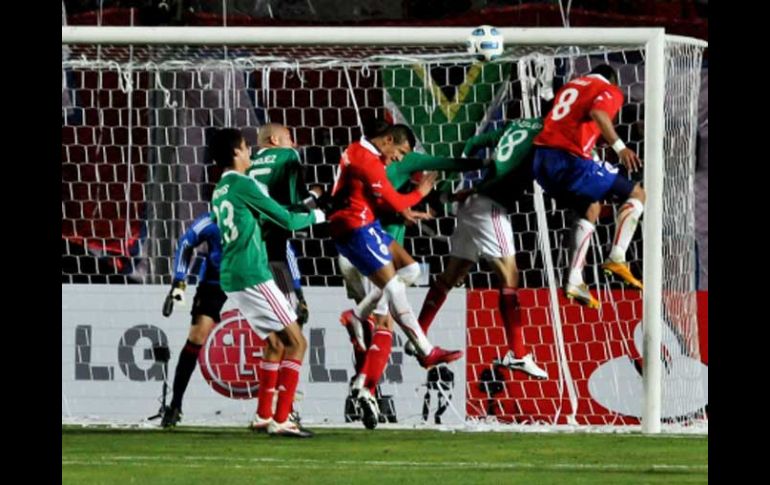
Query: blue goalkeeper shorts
{"x": 367, "y": 248}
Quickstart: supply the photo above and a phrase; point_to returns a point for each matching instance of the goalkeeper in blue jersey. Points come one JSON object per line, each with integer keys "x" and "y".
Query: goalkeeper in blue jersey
{"x": 207, "y": 303}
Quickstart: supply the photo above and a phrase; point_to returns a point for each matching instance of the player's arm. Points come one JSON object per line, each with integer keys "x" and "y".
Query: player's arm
{"x": 184, "y": 251}
{"x": 486, "y": 140}
{"x": 376, "y": 179}
{"x": 415, "y": 162}
{"x": 261, "y": 203}
{"x": 182, "y": 256}
{"x": 301, "y": 197}
{"x": 603, "y": 111}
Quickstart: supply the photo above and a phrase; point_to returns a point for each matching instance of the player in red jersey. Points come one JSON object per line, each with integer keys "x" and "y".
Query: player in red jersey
{"x": 583, "y": 110}
{"x": 361, "y": 190}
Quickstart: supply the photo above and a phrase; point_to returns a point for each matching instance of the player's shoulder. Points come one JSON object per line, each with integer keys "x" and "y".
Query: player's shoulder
{"x": 233, "y": 182}
{"x": 273, "y": 155}
{"x": 526, "y": 123}
{"x": 361, "y": 152}
{"x": 203, "y": 222}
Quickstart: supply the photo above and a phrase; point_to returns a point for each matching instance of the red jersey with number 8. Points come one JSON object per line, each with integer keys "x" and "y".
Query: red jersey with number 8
{"x": 569, "y": 126}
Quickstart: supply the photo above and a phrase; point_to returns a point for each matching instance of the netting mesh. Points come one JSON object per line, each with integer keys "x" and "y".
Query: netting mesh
{"x": 135, "y": 173}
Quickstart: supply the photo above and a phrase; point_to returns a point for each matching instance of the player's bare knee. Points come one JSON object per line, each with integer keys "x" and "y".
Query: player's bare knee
{"x": 200, "y": 329}
{"x": 593, "y": 211}
{"x": 383, "y": 322}
{"x": 294, "y": 342}
{"x": 638, "y": 193}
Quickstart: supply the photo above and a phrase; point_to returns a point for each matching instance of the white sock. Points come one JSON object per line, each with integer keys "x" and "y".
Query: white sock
{"x": 404, "y": 316}
{"x": 410, "y": 273}
{"x": 367, "y": 305}
{"x": 581, "y": 241}
{"x": 625, "y": 226}
{"x": 376, "y": 301}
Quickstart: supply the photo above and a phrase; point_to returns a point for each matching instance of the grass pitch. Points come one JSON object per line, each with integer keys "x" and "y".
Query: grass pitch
{"x": 223, "y": 456}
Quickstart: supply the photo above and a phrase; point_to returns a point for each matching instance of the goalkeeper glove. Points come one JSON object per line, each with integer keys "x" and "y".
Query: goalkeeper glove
{"x": 176, "y": 295}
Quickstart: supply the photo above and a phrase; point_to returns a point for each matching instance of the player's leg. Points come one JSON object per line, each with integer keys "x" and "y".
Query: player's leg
{"x": 368, "y": 249}
{"x": 268, "y": 380}
{"x": 284, "y": 278}
{"x": 407, "y": 269}
{"x": 492, "y": 238}
{"x": 206, "y": 308}
{"x": 580, "y": 242}
{"x": 453, "y": 275}
{"x": 625, "y": 226}
{"x": 517, "y": 357}
{"x": 267, "y": 311}
{"x": 359, "y": 331}
{"x": 463, "y": 255}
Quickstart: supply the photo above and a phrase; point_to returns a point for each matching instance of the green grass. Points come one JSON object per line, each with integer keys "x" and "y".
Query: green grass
{"x": 222, "y": 456}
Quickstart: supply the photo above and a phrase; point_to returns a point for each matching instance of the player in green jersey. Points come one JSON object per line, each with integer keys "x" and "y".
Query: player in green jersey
{"x": 239, "y": 204}
{"x": 276, "y": 164}
{"x": 484, "y": 230}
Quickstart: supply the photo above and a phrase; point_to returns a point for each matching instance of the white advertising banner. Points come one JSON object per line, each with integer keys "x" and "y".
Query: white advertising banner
{"x": 110, "y": 373}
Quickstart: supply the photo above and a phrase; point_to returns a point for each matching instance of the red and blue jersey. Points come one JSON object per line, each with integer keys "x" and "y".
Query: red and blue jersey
{"x": 362, "y": 189}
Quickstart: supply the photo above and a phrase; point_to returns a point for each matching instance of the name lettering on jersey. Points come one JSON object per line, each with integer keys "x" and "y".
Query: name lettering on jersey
{"x": 580, "y": 82}
{"x": 220, "y": 192}
{"x": 264, "y": 160}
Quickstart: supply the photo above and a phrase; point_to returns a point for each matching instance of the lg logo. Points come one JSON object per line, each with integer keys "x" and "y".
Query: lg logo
{"x": 149, "y": 370}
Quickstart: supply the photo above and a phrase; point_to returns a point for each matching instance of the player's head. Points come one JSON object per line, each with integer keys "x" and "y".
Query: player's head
{"x": 374, "y": 127}
{"x": 607, "y": 72}
{"x": 394, "y": 142}
{"x": 275, "y": 136}
{"x": 229, "y": 149}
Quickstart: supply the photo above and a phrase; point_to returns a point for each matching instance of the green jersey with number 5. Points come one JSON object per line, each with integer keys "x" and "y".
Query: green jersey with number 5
{"x": 511, "y": 173}
{"x": 238, "y": 201}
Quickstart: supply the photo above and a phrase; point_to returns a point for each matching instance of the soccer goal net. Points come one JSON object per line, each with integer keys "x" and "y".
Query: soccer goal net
{"x": 138, "y": 106}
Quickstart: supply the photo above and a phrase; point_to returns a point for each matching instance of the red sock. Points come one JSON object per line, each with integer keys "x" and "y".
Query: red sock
{"x": 511, "y": 312}
{"x": 360, "y": 360}
{"x": 288, "y": 377}
{"x": 432, "y": 304}
{"x": 377, "y": 358}
{"x": 268, "y": 376}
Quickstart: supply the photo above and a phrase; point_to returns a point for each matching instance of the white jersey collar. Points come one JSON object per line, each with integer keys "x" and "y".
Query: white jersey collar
{"x": 369, "y": 146}
{"x": 599, "y": 76}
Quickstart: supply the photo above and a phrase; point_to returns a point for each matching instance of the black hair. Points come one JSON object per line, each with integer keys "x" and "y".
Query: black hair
{"x": 223, "y": 144}
{"x": 607, "y": 71}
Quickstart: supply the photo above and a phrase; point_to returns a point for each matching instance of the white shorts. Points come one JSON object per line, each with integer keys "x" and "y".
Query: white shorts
{"x": 265, "y": 308}
{"x": 483, "y": 230}
{"x": 358, "y": 285}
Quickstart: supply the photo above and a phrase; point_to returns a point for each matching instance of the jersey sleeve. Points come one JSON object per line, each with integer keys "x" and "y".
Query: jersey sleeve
{"x": 199, "y": 232}
{"x": 387, "y": 196}
{"x": 486, "y": 140}
{"x": 414, "y": 162}
{"x": 608, "y": 100}
{"x": 261, "y": 203}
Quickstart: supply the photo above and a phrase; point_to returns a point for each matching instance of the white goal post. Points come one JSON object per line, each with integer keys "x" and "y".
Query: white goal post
{"x": 652, "y": 41}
